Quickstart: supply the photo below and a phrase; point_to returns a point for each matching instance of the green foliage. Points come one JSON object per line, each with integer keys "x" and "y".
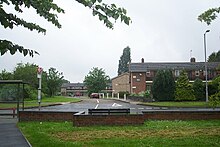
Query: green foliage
{"x": 4, "y": 75}
{"x": 214, "y": 100}
{"x": 8, "y": 93}
{"x": 163, "y": 86}
{"x": 214, "y": 57}
{"x": 26, "y": 72}
{"x": 54, "y": 81}
{"x": 124, "y": 61}
{"x": 96, "y": 80}
{"x": 184, "y": 90}
{"x": 199, "y": 90}
{"x": 209, "y": 15}
{"x": 214, "y": 86}
{"x": 49, "y": 10}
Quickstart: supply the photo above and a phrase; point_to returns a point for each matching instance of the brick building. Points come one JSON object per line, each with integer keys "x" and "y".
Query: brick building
{"x": 79, "y": 89}
{"x": 121, "y": 83}
{"x": 141, "y": 74}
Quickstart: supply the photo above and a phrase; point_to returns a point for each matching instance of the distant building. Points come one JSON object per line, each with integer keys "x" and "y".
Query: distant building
{"x": 73, "y": 89}
{"x": 79, "y": 89}
{"x": 141, "y": 74}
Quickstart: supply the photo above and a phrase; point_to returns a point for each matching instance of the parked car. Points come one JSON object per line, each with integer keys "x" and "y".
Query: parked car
{"x": 94, "y": 95}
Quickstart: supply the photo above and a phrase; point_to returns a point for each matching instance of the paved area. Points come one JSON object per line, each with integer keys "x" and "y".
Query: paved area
{"x": 10, "y": 135}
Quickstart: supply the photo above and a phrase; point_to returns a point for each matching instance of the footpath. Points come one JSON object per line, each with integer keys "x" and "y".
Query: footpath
{"x": 10, "y": 135}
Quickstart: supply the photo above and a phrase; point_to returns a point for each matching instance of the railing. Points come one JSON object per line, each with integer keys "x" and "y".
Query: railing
{"x": 108, "y": 111}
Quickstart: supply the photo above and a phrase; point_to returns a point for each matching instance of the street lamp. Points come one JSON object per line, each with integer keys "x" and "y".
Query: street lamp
{"x": 206, "y": 73}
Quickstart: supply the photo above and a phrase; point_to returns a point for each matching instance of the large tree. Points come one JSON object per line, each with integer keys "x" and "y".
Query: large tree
{"x": 124, "y": 61}
{"x": 49, "y": 10}
{"x": 96, "y": 80}
{"x": 54, "y": 81}
{"x": 214, "y": 57}
{"x": 184, "y": 90}
{"x": 163, "y": 86}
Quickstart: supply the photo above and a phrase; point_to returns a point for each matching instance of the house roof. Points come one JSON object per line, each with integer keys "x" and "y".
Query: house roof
{"x": 72, "y": 85}
{"x": 123, "y": 74}
{"x": 143, "y": 67}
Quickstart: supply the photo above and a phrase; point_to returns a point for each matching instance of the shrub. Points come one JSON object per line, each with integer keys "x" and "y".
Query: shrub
{"x": 184, "y": 90}
{"x": 122, "y": 93}
{"x": 163, "y": 86}
{"x": 214, "y": 100}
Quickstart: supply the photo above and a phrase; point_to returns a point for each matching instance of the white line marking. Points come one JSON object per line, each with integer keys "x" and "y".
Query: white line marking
{"x": 96, "y": 106}
{"x": 132, "y": 108}
{"x": 97, "y": 101}
{"x": 140, "y": 108}
{"x": 116, "y": 105}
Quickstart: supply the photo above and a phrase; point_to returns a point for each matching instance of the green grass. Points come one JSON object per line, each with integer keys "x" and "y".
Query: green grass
{"x": 44, "y": 102}
{"x": 152, "y": 133}
{"x": 179, "y": 104}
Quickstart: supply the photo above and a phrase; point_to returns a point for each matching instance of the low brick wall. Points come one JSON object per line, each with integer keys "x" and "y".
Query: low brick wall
{"x": 92, "y": 120}
{"x": 180, "y": 115}
{"x": 80, "y": 119}
{"x": 45, "y": 116}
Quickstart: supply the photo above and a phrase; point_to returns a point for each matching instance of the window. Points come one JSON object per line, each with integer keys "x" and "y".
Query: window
{"x": 138, "y": 80}
{"x": 177, "y": 73}
{"x": 134, "y": 77}
{"x": 197, "y": 73}
{"x": 148, "y": 72}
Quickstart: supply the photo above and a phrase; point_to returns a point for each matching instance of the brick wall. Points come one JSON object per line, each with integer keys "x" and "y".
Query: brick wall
{"x": 121, "y": 83}
{"x": 138, "y": 82}
{"x": 181, "y": 115}
{"x": 45, "y": 116}
{"x": 91, "y": 120}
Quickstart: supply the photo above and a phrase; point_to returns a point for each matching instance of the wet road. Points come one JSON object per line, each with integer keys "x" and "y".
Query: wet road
{"x": 86, "y": 104}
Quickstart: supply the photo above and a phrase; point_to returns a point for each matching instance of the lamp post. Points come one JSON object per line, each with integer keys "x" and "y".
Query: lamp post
{"x": 206, "y": 73}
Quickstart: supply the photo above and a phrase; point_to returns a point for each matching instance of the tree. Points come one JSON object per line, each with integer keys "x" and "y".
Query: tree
{"x": 26, "y": 72}
{"x": 124, "y": 61}
{"x": 163, "y": 86}
{"x": 54, "y": 81}
{"x": 214, "y": 57}
{"x": 199, "y": 90}
{"x": 4, "y": 75}
{"x": 184, "y": 91}
{"x": 209, "y": 15}
{"x": 96, "y": 80}
{"x": 49, "y": 10}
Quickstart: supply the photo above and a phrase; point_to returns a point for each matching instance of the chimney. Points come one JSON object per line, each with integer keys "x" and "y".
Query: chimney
{"x": 193, "y": 59}
{"x": 142, "y": 60}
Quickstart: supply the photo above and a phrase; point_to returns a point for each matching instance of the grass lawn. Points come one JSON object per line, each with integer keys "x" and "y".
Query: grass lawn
{"x": 44, "y": 102}
{"x": 152, "y": 134}
{"x": 179, "y": 104}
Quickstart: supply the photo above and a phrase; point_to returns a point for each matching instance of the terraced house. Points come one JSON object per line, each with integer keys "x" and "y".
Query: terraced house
{"x": 141, "y": 74}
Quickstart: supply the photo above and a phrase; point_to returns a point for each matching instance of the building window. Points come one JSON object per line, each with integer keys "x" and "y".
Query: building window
{"x": 204, "y": 72}
{"x": 197, "y": 73}
{"x": 134, "y": 77}
{"x": 134, "y": 87}
{"x": 148, "y": 73}
{"x": 138, "y": 80}
{"x": 177, "y": 73}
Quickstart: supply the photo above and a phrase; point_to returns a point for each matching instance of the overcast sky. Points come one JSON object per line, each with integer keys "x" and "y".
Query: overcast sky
{"x": 161, "y": 31}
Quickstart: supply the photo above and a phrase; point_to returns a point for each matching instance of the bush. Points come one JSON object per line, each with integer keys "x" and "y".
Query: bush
{"x": 163, "y": 86}
{"x": 199, "y": 90}
{"x": 184, "y": 90}
{"x": 214, "y": 100}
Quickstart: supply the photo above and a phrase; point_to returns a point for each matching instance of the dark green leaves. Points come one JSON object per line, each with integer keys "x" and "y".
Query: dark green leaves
{"x": 106, "y": 13}
{"x": 209, "y": 15}
{"x": 6, "y": 45}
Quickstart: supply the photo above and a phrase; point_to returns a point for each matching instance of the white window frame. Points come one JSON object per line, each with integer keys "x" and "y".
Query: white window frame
{"x": 177, "y": 73}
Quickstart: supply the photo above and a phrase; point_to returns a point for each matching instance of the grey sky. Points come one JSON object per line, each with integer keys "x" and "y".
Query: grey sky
{"x": 161, "y": 31}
